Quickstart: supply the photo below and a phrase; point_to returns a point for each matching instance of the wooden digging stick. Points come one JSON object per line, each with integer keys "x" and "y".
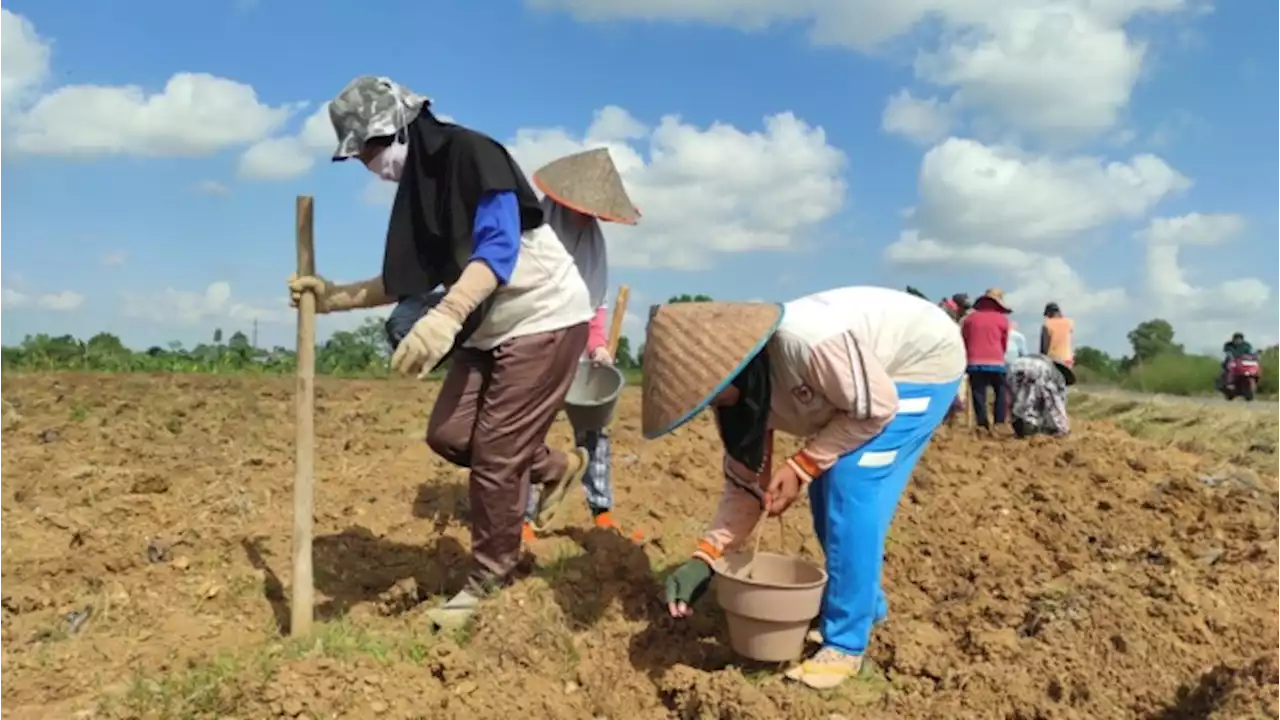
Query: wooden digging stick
{"x": 303, "y": 600}
{"x": 615, "y": 324}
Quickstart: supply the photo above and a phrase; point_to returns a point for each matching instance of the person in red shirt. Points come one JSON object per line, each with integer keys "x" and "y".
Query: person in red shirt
{"x": 986, "y": 335}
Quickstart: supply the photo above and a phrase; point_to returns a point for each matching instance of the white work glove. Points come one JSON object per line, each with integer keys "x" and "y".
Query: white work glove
{"x": 427, "y": 342}
{"x": 317, "y": 285}
{"x": 601, "y": 356}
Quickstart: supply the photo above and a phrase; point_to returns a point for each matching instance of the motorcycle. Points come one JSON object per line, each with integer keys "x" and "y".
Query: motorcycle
{"x": 1241, "y": 377}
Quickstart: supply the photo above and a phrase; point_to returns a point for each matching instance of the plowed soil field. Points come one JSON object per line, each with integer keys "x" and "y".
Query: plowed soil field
{"x": 146, "y": 561}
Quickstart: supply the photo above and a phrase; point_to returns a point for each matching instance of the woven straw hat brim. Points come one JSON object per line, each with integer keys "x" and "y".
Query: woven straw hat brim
{"x": 588, "y": 182}
{"x": 994, "y": 296}
{"x": 692, "y": 351}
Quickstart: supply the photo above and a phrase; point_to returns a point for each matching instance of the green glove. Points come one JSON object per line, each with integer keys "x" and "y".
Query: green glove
{"x": 688, "y": 582}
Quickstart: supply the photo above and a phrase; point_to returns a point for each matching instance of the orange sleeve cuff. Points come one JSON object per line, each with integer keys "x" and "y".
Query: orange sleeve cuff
{"x": 708, "y": 552}
{"x": 804, "y": 466}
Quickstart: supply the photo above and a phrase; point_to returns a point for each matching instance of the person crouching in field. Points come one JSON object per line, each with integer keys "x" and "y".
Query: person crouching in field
{"x": 513, "y": 314}
{"x": 1039, "y": 388}
{"x": 580, "y": 191}
{"x": 866, "y": 373}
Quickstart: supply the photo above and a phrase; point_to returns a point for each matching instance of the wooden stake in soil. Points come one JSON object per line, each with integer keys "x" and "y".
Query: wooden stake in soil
{"x": 615, "y": 324}
{"x": 303, "y": 600}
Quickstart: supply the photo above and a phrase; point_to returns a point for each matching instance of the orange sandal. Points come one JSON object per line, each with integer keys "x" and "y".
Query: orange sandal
{"x": 606, "y": 521}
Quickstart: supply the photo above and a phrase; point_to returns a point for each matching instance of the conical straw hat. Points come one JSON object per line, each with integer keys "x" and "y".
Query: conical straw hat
{"x": 589, "y": 183}
{"x": 692, "y": 351}
{"x": 995, "y": 295}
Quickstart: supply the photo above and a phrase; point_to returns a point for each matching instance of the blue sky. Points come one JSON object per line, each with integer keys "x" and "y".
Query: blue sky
{"x": 1117, "y": 156}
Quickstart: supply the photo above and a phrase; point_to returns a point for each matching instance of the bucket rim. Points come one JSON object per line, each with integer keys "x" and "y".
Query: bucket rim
{"x": 613, "y": 397}
{"x": 822, "y": 580}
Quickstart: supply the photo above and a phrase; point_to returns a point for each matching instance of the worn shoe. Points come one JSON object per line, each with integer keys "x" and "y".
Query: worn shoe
{"x": 553, "y": 494}
{"x": 826, "y": 669}
{"x": 455, "y": 613}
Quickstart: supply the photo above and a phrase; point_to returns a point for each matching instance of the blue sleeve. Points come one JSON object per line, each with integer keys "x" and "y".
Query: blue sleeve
{"x": 496, "y": 233}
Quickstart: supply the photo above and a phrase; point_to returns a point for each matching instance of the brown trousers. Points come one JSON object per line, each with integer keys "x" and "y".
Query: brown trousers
{"x": 492, "y": 416}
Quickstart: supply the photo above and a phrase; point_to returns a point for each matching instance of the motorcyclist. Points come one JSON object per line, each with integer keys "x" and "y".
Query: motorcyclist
{"x": 1236, "y": 347}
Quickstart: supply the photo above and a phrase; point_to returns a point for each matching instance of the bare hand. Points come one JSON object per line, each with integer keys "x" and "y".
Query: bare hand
{"x": 784, "y": 488}
{"x": 314, "y": 284}
{"x": 601, "y": 356}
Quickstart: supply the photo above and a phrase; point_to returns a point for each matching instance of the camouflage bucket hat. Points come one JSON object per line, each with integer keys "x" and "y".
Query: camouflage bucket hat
{"x": 370, "y": 107}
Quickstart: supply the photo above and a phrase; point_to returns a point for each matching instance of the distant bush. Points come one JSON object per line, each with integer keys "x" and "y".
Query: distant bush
{"x": 1175, "y": 375}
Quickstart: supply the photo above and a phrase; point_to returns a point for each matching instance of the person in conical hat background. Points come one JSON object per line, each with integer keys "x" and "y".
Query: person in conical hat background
{"x": 581, "y": 190}
{"x": 514, "y": 313}
{"x": 865, "y": 373}
{"x": 986, "y": 339}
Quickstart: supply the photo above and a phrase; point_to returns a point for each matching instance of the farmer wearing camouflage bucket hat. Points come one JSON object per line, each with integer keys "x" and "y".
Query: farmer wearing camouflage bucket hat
{"x": 865, "y": 374}
{"x": 513, "y": 314}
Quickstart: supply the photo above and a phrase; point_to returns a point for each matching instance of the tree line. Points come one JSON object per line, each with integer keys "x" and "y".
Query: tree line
{"x": 1156, "y": 363}
{"x": 362, "y": 352}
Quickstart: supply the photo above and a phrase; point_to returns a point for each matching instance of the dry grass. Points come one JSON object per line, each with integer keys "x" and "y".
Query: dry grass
{"x": 1236, "y": 434}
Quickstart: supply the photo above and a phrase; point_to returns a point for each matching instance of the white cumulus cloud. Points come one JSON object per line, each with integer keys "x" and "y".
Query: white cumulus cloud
{"x": 1015, "y": 214}
{"x": 1062, "y": 70}
{"x": 12, "y": 299}
{"x": 290, "y": 156}
{"x": 186, "y": 307}
{"x": 705, "y": 190}
{"x": 194, "y": 114}
{"x": 1210, "y": 308}
{"x": 62, "y": 301}
{"x": 24, "y": 60}
{"x": 65, "y": 300}
{"x": 971, "y": 192}
{"x": 922, "y": 120}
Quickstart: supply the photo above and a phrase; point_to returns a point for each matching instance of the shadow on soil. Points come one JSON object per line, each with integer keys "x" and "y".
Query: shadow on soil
{"x": 443, "y": 503}
{"x": 1201, "y": 699}
{"x": 355, "y": 566}
{"x": 611, "y": 569}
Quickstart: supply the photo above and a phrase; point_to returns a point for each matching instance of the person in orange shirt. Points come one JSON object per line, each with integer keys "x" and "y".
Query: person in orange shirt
{"x": 1056, "y": 335}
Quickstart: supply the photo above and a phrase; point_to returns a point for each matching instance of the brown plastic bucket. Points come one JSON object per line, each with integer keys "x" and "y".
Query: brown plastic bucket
{"x": 769, "y": 613}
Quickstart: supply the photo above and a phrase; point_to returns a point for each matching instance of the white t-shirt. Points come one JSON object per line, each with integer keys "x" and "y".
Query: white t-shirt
{"x": 545, "y": 293}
